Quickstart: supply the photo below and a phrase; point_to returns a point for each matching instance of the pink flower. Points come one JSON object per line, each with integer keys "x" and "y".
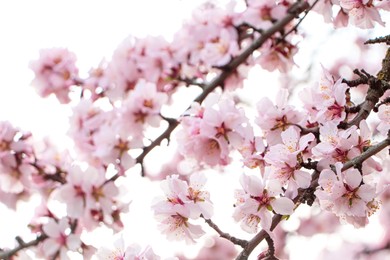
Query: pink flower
{"x": 256, "y": 201}
{"x": 120, "y": 252}
{"x": 324, "y": 8}
{"x": 285, "y": 160}
{"x": 142, "y": 107}
{"x": 262, "y": 14}
{"x": 177, "y": 227}
{"x": 122, "y": 71}
{"x": 335, "y": 144}
{"x": 185, "y": 197}
{"x": 252, "y": 152}
{"x": 112, "y": 146}
{"x": 291, "y": 149}
{"x": 344, "y": 194}
{"x": 220, "y": 50}
{"x": 274, "y": 119}
{"x": 212, "y": 130}
{"x": 74, "y": 192}
{"x": 60, "y": 239}
{"x": 362, "y": 143}
{"x": 224, "y": 122}
{"x": 16, "y": 156}
{"x": 326, "y": 101}
{"x": 55, "y": 71}
{"x": 384, "y": 116}
{"x": 277, "y": 56}
{"x": 182, "y": 202}
{"x": 362, "y": 13}
{"x": 85, "y": 121}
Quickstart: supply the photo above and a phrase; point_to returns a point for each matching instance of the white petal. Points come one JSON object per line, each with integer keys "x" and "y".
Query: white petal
{"x": 283, "y": 206}
{"x": 52, "y": 229}
{"x": 73, "y": 242}
{"x": 251, "y": 184}
{"x": 353, "y": 178}
{"x": 50, "y": 247}
{"x": 302, "y": 178}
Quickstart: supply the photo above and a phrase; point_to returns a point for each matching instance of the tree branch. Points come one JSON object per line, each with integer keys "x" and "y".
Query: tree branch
{"x": 7, "y": 254}
{"x": 377, "y": 88}
{"x": 227, "y": 70}
{"x": 222, "y": 234}
{"x": 358, "y": 160}
{"x": 385, "y": 39}
{"x": 269, "y": 254}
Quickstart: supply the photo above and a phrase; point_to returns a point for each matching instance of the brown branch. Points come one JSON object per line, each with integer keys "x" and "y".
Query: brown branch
{"x": 234, "y": 240}
{"x": 252, "y": 244}
{"x": 293, "y": 12}
{"x": 7, "y": 254}
{"x": 384, "y": 39}
{"x": 172, "y": 125}
{"x": 299, "y": 22}
{"x": 269, "y": 254}
{"x": 384, "y": 73}
{"x": 358, "y": 160}
{"x": 192, "y": 81}
{"x": 375, "y": 91}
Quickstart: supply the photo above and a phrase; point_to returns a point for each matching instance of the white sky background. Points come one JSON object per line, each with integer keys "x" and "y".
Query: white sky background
{"x": 91, "y": 29}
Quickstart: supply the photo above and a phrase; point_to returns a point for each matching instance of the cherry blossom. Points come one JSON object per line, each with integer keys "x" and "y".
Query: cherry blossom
{"x": 183, "y": 201}
{"x": 326, "y": 101}
{"x": 344, "y": 194}
{"x": 362, "y": 13}
{"x": 213, "y": 129}
{"x": 277, "y": 56}
{"x": 121, "y": 252}
{"x": 252, "y": 151}
{"x": 142, "y": 107}
{"x": 273, "y": 119}
{"x": 261, "y": 14}
{"x": 185, "y": 197}
{"x": 55, "y": 72}
{"x": 335, "y": 144}
{"x": 125, "y": 115}
{"x": 177, "y": 228}
{"x": 384, "y": 116}
{"x": 61, "y": 239}
{"x": 15, "y": 159}
{"x": 256, "y": 201}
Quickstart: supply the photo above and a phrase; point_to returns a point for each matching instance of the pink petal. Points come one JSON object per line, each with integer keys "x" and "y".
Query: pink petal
{"x": 50, "y": 247}
{"x": 252, "y": 184}
{"x": 52, "y": 229}
{"x": 302, "y": 178}
{"x": 353, "y": 178}
{"x": 283, "y": 206}
{"x": 73, "y": 242}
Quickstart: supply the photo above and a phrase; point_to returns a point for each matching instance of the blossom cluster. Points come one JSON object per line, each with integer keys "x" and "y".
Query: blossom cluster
{"x": 293, "y": 155}
{"x": 183, "y": 201}
{"x": 361, "y": 13}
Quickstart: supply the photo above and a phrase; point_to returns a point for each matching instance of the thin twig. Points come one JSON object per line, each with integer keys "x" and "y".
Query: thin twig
{"x": 299, "y": 22}
{"x": 234, "y": 240}
{"x": 358, "y": 160}
{"x": 7, "y": 254}
{"x": 269, "y": 254}
{"x": 383, "y": 39}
